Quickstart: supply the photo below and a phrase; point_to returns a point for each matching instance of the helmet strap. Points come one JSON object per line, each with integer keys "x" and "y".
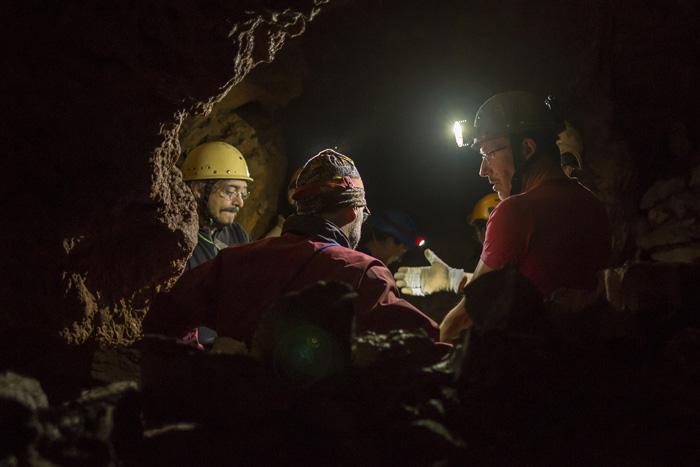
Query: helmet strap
{"x": 520, "y": 164}
{"x": 516, "y": 182}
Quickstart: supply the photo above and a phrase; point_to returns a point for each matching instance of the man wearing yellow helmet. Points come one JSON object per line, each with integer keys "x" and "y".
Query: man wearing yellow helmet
{"x": 480, "y": 214}
{"x": 218, "y": 176}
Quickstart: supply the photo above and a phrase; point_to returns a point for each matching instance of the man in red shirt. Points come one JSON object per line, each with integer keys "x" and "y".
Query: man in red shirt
{"x": 547, "y": 226}
{"x": 556, "y": 234}
{"x": 230, "y": 293}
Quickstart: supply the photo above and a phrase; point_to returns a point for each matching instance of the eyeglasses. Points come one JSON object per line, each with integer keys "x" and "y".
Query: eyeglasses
{"x": 230, "y": 193}
{"x": 487, "y": 156}
{"x": 365, "y": 214}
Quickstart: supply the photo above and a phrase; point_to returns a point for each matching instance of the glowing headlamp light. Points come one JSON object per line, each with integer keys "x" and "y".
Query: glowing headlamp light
{"x": 458, "y": 129}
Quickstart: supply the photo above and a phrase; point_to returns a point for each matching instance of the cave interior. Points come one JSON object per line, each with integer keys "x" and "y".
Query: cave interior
{"x": 106, "y": 99}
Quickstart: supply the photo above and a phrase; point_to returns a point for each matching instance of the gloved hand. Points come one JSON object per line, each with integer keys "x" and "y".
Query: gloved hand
{"x": 426, "y": 280}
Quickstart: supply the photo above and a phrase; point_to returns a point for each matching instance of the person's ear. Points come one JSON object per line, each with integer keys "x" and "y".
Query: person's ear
{"x": 354, "y": 213}
{"x": 347, "y": 215}
{"x": 528, "y": 147}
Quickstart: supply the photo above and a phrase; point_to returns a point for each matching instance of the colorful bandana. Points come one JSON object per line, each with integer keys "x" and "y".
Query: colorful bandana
{"x": 329, "y": 181}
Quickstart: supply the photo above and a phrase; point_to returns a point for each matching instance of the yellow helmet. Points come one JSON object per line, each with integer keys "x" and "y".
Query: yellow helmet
{"x": 482, "y": 209}
{"x": 215, "y": 160}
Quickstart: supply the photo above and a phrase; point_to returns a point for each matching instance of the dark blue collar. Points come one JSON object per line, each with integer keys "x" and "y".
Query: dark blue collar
{"x": 317, "y": 228}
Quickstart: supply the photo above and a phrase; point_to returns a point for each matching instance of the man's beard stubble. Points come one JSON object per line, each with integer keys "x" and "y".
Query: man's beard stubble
{"x": 355, "y": 233}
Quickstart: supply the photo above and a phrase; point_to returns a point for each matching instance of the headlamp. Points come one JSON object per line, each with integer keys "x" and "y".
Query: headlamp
{"x": 458, "y": 129}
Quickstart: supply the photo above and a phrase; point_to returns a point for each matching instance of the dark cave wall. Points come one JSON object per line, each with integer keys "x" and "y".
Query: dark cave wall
{"x": 100, "y": 218}
{"x": 634, "y": 100}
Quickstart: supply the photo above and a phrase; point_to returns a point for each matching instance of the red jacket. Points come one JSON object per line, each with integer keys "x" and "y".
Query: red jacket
{"x": 230, "y": 292}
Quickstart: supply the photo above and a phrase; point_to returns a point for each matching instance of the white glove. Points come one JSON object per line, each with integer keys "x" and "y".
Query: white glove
{"x": 426, "y": 280}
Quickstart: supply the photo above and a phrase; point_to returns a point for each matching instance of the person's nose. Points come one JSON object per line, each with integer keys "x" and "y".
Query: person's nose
{"x": 484, "y": 168}
{"x": 237, "y": 200}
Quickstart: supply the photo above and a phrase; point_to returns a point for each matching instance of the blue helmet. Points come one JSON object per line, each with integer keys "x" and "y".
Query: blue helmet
{"x": 397, "y": 224}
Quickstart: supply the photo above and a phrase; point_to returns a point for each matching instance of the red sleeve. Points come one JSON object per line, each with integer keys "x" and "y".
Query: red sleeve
{"x": 508, "y": 234}
{"x": 379, "y": 307}
{"x": 186, "y": 306}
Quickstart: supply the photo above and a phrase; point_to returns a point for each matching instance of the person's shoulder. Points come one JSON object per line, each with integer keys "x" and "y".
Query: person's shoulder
{"x": 570, "y": 191}
{"x": 512, "y": 205}
{"x": 349, "y": 255}
{"x": 553, "y": 192}
{"x": 559, "y": 187}
{"x": 372, "y": 270}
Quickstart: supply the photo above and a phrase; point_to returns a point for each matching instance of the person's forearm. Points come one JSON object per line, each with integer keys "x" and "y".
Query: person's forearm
{"x": 453, "y": 323}
{"x": 465, "y": 280}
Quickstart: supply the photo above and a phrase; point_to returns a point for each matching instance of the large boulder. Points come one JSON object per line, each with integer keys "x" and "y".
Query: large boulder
{"x": 21, "y": 400}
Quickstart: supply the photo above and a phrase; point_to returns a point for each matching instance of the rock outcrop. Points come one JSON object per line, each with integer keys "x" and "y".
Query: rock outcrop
{"x": 669, "y": 228}
{"x": 100, "y": 218}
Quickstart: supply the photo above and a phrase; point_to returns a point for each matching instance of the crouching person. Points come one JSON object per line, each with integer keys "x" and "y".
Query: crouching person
{"x": 230, "y": 293}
